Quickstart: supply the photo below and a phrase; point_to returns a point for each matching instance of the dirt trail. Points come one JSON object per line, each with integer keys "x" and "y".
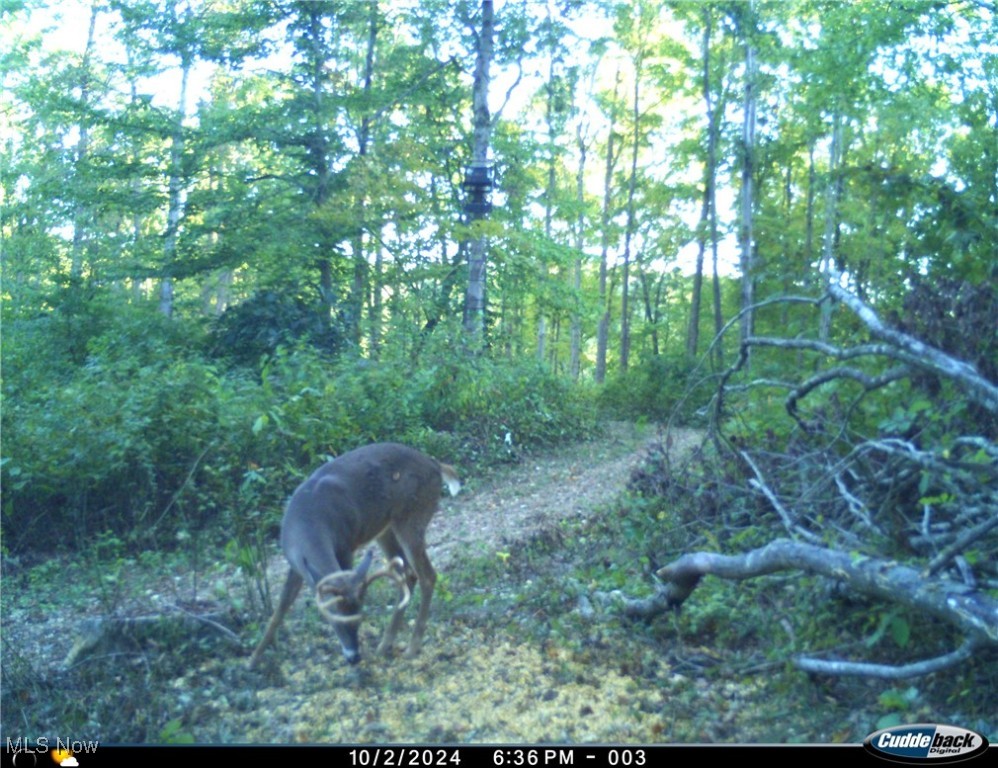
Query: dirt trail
{"x": 518, "y": 501}
{"x": 526, "y": 498}
{"x": 523, "y": 499}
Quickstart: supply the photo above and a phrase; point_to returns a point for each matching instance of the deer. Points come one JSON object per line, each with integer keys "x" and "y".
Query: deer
{"x": 385, "y": 492}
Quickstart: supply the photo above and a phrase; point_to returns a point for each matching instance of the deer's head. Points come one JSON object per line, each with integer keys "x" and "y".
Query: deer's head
{"x": 340, "y": 598}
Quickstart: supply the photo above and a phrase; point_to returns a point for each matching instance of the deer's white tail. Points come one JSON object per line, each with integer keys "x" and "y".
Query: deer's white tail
{"x": 451, "y": 480}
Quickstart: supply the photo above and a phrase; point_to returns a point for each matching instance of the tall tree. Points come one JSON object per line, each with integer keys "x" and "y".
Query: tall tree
{"x": 707, "y": 226}
{"x": 474, "y": 318}
{"x": 355, "y": 301}
{"x": 607, "y": 213}
{"x": 166, "y": 29}
{"x": 746, "y": 22}
{"x": 82, "y": 215}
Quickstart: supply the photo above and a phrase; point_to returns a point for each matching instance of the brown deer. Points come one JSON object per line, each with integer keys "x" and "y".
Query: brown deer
{"x": 385, "y": 492}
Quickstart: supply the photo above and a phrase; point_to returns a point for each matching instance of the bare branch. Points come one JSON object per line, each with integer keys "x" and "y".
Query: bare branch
{"x": 887, "y": 671}
{"x": 910, "y": 350}
{"x": 973, "y": 613}
{"x": 869, "y": 383}
{"x": 855, "y": 505}
{"x": 789, "y": 521}
{"x": 210, "y": 622}
{"x": 830, "y": 350}
{"x": 509, "y": 92}
{"x": 963, "y": 541}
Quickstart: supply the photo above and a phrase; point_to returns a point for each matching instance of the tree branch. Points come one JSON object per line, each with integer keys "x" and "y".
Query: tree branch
{"x": 789, "y": 520}
{"x": 917, "y": 353}
{"x": 973, "y": 613}
{"x": 887, "y": 671}
{"x": 961, "y": 542}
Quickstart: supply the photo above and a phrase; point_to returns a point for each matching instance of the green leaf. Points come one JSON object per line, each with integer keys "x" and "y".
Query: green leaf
{"x": 900, "y": 631}
{"x": 171, "y": 733}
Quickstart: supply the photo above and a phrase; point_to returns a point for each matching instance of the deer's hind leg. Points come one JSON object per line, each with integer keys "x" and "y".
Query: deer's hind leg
{"x": 419, "y": 563}
{"x": 392, "y": 548}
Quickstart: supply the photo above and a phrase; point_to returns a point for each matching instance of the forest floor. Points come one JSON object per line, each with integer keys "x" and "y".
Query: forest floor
{"x": 480, "y": 676}
{"x": 522, "y": 647}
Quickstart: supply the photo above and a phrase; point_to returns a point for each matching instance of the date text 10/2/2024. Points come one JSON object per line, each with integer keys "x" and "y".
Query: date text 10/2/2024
{"x": 517, "y": 757}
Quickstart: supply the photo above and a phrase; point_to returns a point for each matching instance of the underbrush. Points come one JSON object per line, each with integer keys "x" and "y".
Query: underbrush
{"x": 157, "y": 443}
{"x": 758, "y": 626}
{"x": 657, "y": 388}
{"x": 92, "y": 645}
{"x": 736, "y": 642}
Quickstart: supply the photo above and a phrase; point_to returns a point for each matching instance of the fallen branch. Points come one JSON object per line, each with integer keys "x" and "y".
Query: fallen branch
{"x": 961, "y": 542}
{"x": 101, "y": 635}
{"x": 910, "y": 350}
{"x": 789, "y": 519}
{"x": 973, "y": 613}
{"x": 887, "y": 671}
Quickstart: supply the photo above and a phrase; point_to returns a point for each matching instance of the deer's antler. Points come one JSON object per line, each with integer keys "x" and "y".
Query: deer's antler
{"x": 395, "y": 570}
{"x": 328, "y": 600}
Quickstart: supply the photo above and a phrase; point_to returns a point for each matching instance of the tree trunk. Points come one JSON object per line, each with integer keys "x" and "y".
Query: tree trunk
{"x": 712, "y": 142}
{"x": 81, "y": 209}
{"x": 693, "y": 332}
{"x": 176, "y": 189}
{"x": 746, "y": 235}
{"x": 580, "y": 195}
{"x": 474, "y": 318}
{"x": 549, "y": 194}
{"x": 315, "y": 142}
{"x": 603, "y": 331}
{"x": 358, "y": 288}
{"x": 651, "y": 293}
{"x": 625, "y": 300}
{"x": 831, "y": 214}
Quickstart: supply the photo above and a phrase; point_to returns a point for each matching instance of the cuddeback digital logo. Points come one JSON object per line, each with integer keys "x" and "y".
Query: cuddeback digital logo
{"x": 923, "y": 743}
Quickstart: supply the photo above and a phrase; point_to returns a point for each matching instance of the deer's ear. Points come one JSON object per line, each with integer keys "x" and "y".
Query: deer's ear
{"x": 365, "y": 564}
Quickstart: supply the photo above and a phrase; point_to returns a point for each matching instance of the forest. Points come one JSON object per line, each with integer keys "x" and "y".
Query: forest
{"x": 750, "y": 243}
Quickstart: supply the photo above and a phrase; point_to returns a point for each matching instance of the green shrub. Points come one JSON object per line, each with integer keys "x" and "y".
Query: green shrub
{"x": 259, "y": 325}
{"x": 115, "y": 448}
{"x": 653, "y": 389}
{"x": 145, "y": 442}
{"x": 499, "y": 407}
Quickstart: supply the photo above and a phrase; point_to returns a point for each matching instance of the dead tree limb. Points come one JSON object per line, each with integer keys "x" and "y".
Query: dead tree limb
{"x": 910, "y": 350}
{"x": 878, "y": 466}
{"x": 973, "y": 613}
{"x": 888, "y": 671}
